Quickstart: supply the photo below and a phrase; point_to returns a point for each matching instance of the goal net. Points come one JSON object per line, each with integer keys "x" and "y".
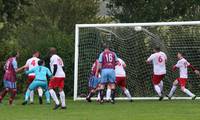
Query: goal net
{"x": 133, "y": 43}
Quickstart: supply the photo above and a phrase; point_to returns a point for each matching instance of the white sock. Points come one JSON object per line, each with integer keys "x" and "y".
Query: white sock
{"x": 54, "y": 97}
{"x": 40, "y": 91}
{"x": 31, "y": 96}
{"x": 161, "y": 85}
{"x": 62, "y": 98}
{"x": 188, "y": 92}
{"x": 127, "y": 93}
{"x": 173, "y": 89}
{"x": 108, "y": 94}
{"x": 98, "y": 96}
{"x": 157, "y": 89}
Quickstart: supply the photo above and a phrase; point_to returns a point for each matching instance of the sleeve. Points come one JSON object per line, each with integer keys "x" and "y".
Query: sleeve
{"x": 14, "y": 63}
{"x": 49, "y": 72}
{"x": 150, "y": 58}
{"x": 53, "y": 60}
{"x": 100, "y": 58}
{"x": 178, "y": 64}
{"x": 31, "y": 71}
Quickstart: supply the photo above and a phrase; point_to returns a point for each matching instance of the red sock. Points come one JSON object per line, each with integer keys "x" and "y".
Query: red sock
{"x": 12, "y": 97}
{"x": 3, "y": 93}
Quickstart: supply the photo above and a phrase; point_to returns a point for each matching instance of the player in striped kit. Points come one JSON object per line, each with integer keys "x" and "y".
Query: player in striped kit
{"x": 30, "y": 64}
{"x": 183, "y": 66}
{"x": 158, "y": 58}
{"x": 107, "y": 62}
{"x": 9, "y": 80}
{"x": 93, "y": 81}
{"x": 57, "y": 81}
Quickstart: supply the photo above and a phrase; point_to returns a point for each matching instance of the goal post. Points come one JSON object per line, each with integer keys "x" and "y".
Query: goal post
{"x": 133, "y": 42}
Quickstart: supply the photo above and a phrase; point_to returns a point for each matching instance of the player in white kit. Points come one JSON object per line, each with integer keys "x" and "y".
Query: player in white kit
{"x": 183, "y": 66}
{"x": 57, "y": 81}
{"x": 120, "y": 74}
{"x": 30, "y": 64}
{"x": 158, "y": 58}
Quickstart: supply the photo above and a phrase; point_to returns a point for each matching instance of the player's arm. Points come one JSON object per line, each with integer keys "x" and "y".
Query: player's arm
{"x": 193, "y": 69}
{"x": 99, "y": 64}
{"x": 30, "y": 71}
{"x": 49, "y": 74}
{"x": 55, "y": 67}
{"x": 15, "y": 66}
{"x": 116, "y": 59}
{"x": 149, "y": 60}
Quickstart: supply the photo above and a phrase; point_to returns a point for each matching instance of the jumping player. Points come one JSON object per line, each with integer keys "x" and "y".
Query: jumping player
{"x": 120, "y": 79}
{"x": 57, "y": 81}
{"x": 183, "y": 66}
{"x": 30, "y": 64}
{"x": 11, "y": 68}
{"x": 93, "y": 81}
{"x": 107, "y": 62}
{"x": 158, "y": 59}
{"x": 40, "y": 80}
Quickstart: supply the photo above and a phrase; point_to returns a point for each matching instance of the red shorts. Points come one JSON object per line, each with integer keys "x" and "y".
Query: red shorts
{"x": 30, "y": 79}
{"x": 157, "y": 78}
{"x": 121, "y": 81}
{"x": 57, "y": 82}
{"x": 182, "y": 81}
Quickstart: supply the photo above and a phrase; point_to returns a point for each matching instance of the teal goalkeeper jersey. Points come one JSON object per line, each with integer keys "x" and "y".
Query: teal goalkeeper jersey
{"x": 41, "y": 72}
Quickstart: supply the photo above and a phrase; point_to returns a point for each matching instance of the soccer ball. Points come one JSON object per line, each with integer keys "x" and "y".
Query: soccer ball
{"x": 138, "y": 28}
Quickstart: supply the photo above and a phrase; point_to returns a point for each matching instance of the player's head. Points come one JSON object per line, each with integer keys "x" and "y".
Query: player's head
{"x": 106, "y": 46}
{"x": 180, "y": 55}
{"x": 52, "y": 51}
{"x": 15, "y": 54}
{"x": 41, "y": 63}
{"x": 156, "y": 49}
{"x": 36, "y": 53}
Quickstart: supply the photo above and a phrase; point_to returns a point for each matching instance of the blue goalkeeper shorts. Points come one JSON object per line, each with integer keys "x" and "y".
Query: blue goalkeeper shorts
{"x": 36, "y": 83}
{"x": 93, "y": 82}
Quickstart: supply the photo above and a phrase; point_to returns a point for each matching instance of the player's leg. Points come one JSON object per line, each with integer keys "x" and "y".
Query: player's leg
{"x": 29, "y": 81}
{"x": 156, "y": 80}
{"x": 92, "y": 85}
{"x": 32, "y": 96}
{"x": 13, "y": 92}
{"x": 40, "y": 93}
{"x": 62, "y": 93}
{"x": 108, "y": 93}
{"x": 5, "y": 90}
{"x": 173, "y": 89}
{"x": 122, "y": 83}
{"x": 103, "y": 81}
{"x": 161, "y": 86}
{"x": 52, "y": 85}
{"x": 112, "y": 79}
{"x": 44, "y": 87}
{"x": 182, "y": 83}
{"x": 31, "y": 87}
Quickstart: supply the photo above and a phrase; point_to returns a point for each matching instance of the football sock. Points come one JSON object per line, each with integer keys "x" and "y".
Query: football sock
{"x": 161, "y": 85}
{"x": 12, "y": 97}
{"x": 173, "y": 89}
{"x": 113, "y": 94}
{"x": 108, "y": 94}
{"x": 98, "y": 96}
{"x": 157, "y": 89}
{"x": 127, "y": 93}
{"x": 3, "y": 93}
{"x": 90, "y": 95}
{"x": 188, "y": 92}
{"x": 54, "y": 97}
{"x": 31, "y": 95}
{"x": 62, "y": 98}
{"x": 40, "y": 91}
{"x": 101, "y": 94}
{"x": 27, "y": 95}
{"x": 47, "y": 94}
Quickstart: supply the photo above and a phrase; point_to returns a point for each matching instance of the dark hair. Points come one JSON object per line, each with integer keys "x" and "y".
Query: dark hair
{"x": 52, "y": 50}
{"x": 35, "y": 51}
{"x": 13, "y": 54}
{"x": 105, "y": 46}
{"x": 40, "y": 62}
{"x": 157, "y": 49}
{"x": 182, "y": 53}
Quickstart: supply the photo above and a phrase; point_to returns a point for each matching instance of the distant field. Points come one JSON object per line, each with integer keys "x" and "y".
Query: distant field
{"x": 122, "y": 110}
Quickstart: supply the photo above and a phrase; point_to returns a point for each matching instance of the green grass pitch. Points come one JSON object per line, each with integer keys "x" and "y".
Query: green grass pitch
{"x": 122, "y": 110}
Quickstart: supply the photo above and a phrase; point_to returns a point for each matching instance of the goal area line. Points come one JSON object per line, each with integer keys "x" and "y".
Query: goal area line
{"x": 140, "y": 98}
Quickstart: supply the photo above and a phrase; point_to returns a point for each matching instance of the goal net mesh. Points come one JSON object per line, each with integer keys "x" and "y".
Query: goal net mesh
{"x": 134, "y": 47}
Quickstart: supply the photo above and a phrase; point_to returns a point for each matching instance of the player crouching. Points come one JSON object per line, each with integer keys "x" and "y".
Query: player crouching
{"x": 183, "y": 66}
{"x": 40, "y": 80}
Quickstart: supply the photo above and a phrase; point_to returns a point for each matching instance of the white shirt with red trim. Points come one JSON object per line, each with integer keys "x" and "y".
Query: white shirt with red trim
{"x": 32, "y": 63}
{"x": 119, "y": 69}
{"x": 159, "y": 63}
{"x": 183, "y": 64}
{"x": 56, "y": 60}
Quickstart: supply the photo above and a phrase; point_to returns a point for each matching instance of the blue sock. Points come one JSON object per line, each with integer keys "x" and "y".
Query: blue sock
{"x": 27, "y": 95}
{"x": 47, "y": 94}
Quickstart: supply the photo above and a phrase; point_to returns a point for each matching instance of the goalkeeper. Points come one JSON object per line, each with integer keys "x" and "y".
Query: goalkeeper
{"x": 40, "y": 80}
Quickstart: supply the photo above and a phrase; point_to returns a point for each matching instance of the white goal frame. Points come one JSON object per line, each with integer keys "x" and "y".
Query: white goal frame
{"x": 120, "y": 25}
